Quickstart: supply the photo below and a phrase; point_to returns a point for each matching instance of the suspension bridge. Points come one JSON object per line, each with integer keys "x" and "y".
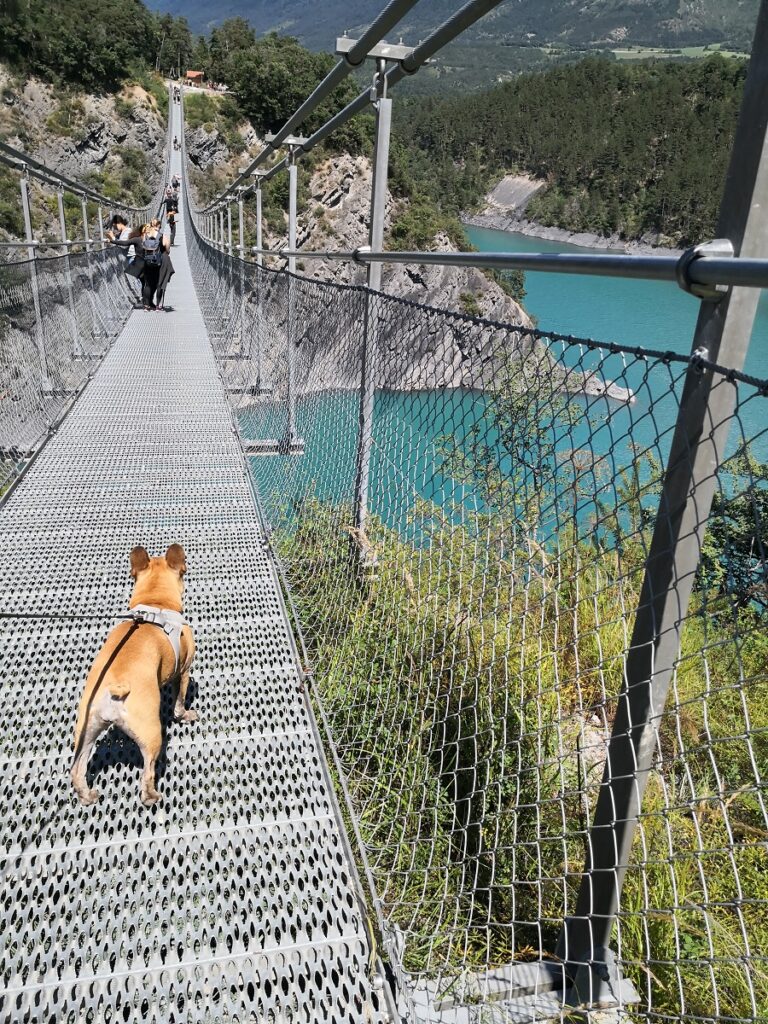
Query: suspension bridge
{"x": 481, "y": 674}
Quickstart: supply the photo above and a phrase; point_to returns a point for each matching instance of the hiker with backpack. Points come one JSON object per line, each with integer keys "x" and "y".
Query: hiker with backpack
{"x": 152, "y": 264}
{"x": 157, "y": 265}
{"x": 171, "y": 200}
{"x": 166, "y": 273}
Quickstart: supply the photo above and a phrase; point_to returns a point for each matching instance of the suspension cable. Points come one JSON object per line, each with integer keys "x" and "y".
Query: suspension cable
{"x": 446, "y": 33}
{"x": 12, "y": 157}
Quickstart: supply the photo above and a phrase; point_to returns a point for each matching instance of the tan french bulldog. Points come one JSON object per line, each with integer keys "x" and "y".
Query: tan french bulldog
{"x": 137, "y": 659}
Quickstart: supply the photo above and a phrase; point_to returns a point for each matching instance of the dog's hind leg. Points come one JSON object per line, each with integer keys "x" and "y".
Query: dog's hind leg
{"x": 180, "y": 713}
{"x": 150, "y": 745}
{"x": 94, "y": 727}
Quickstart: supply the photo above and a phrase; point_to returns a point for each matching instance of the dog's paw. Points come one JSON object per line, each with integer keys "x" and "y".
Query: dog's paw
{"x": 187, "y": 716}
{"x": 88, "y": 796}
{"x": 150, "y": 797}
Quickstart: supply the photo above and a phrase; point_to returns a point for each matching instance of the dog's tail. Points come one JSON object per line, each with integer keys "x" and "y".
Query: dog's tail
{"x": 82, "y": 715}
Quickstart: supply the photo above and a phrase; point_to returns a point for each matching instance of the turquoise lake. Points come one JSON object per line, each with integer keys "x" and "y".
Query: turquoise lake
{"x": 410, "y": 429}
{"x": 654, "y": 314}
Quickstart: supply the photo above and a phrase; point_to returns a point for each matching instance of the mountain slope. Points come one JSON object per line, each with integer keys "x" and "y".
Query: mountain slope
{"x": 575, "y": 22}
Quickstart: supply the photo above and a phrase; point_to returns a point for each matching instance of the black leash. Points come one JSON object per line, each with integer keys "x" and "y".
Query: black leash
{"x": 82, "y": 617}
{"x": 97, "y": 684}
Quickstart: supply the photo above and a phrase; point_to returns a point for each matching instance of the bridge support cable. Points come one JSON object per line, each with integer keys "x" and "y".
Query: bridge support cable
{"x": 409, "y": 61}
{"x": 394, "y": 12}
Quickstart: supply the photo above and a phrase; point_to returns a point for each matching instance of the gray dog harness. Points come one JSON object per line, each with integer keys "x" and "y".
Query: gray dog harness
{"x": 169, "y": 621}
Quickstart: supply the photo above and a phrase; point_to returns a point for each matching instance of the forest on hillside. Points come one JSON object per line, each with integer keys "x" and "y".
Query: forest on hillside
{"x": 625, "y": 149}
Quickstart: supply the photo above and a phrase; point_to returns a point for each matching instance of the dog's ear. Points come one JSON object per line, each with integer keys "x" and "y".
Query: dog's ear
{"x": 139, "y": 561}
{"x": 176, "y": 559}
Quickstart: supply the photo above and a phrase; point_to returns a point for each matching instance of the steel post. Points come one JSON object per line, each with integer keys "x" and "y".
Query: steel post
{"x": 95, "y": 307}
{"x": 221, "y": 229}
{"x": 370, "y": 325}
{"x": 102, "y": 266}
{"x": 260, "y": 263}
{"x": 230, "y": 268}
{"x": 259, "y": 229}
{"x": 32, "y": 253}
{"x": 293, "y": 181}
{"x": 722, "y": 333}
{"x": 86, "y": 233}
{"x": 68, "y": 270}
{"x": 241, "y": 248}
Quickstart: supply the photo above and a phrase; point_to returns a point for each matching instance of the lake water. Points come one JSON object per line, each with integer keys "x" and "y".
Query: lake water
{"x": 410, "y": 429}
{"x": 654, "y": 314}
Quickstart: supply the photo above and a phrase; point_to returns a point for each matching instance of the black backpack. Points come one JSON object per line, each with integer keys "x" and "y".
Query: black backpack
{"x": 153, "y": 254}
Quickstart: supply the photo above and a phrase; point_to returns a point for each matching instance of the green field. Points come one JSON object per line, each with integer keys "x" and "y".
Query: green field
{"x": 649, "y": 52}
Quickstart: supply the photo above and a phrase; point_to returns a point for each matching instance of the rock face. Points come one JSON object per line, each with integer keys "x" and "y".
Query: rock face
{"x": 340, "y": 191}
{"x": 206, "y": 148}
{"x": 419, "y": 348}
{"x": 81, "y": 134}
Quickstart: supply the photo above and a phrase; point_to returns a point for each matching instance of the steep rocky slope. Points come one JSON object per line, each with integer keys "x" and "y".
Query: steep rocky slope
{"x": 337, "y": 218}
{"x": 425, "y": 348}
{"x": 114, "y": 143}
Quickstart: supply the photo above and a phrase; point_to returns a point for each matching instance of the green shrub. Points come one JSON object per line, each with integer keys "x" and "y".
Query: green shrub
{"x": 68, "y": 117}
{"x": 469, "y": 303}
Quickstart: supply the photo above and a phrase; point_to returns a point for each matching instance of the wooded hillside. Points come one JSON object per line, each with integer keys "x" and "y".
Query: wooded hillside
{"x": 627, "y": 149}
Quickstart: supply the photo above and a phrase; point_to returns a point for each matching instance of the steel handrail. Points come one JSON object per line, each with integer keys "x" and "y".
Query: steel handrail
{"x": 444, "y": 34}
{"x": 12, "y": 157}
{"x": 702, "y": 270}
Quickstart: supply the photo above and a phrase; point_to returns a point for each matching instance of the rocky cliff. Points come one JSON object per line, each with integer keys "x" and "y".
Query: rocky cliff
{"x": 116, "y": 143}
{"x": 337, "y": 218}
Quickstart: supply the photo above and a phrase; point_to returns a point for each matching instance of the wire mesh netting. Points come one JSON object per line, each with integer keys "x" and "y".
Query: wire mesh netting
{"x": 468, "y": 645}
{"x": 58, "y": 317}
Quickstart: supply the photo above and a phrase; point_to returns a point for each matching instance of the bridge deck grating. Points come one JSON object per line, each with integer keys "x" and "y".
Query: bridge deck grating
{"x": 233, "y": 899}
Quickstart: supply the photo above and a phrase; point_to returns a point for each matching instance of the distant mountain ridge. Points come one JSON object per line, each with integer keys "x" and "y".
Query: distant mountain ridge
{"x": 669, "y": 23}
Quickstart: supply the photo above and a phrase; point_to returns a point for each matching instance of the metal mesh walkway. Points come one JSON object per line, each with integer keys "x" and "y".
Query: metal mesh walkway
{"x": 234, "y": 898}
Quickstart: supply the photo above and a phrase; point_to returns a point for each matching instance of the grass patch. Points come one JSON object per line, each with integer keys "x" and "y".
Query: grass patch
{"x": 471, "y": 685}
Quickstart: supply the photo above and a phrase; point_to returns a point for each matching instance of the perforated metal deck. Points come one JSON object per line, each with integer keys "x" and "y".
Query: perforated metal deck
{"x": 234, "y": 898}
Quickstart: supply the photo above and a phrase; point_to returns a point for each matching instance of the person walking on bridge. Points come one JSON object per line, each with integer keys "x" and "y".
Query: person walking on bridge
{"x": 171, "y": 200}
{"x": 152, "y": 249}
{"x": 158, "y": 268}
{"x": 171, "y": 220}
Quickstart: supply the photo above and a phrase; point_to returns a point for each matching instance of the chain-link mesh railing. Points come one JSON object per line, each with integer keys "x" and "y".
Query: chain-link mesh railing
{"x": 58, "y": 317}
{"x": 468, "y": 647}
